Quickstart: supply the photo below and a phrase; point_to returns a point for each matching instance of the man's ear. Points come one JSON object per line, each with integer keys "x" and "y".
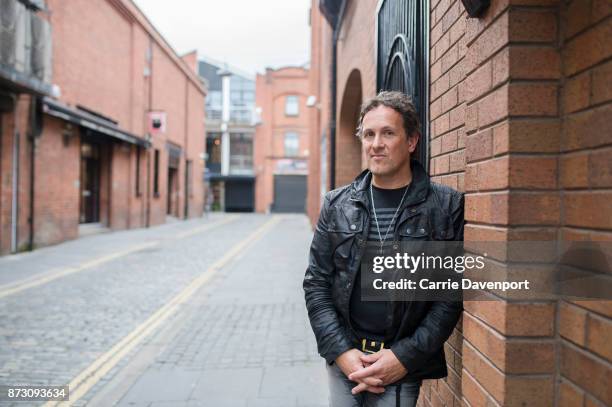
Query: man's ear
{"x": 413, "y": 141}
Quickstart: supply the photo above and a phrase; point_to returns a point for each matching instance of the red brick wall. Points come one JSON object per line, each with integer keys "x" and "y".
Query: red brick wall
{"x": 92, "y": 54}
{"x": 447, "y": 153}
{"x": 56, "y": 199}
{"x": 12, "y": 125}
{"x": 585, "y": 182}
{"x": 519, "y": 108}
{"x": 121, "y": 187}
{"x": 271, "y": 90}
{"x": 536, "y": 135}
{"x": 319, "y": 84}
{"x": 511, "y": 95}
{"x": 6, "y": 174}
{"x": 99, "y": 59}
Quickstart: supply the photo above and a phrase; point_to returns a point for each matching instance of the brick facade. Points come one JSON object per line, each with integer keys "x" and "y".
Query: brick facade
{"x": 519, "y": 108}
{"x": 108, "y": 59}
{"x": 319, "y": 85}
{"x": 447, "y": 91}
{"x": 271, "y": 90}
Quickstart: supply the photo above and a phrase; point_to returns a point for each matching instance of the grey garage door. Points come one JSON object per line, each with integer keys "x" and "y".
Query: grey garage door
{"x": 289, "y": 194}
{"x": 239, "y": 196}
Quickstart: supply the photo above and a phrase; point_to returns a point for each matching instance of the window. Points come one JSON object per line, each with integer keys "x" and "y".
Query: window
{"x": 156, "y": 173}
{"x": 214, "y": 100}
{"x": 292, "y": 144}
{"x": 292, "y": 107}
{"x": 241, "y": 153}
{"x": 242, "y": 100}
{"x": 214, "y": 105}
{"x": 241, "y": 115}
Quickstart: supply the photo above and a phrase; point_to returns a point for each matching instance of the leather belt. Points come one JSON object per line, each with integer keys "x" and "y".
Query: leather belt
{"x": 371, "y": 346}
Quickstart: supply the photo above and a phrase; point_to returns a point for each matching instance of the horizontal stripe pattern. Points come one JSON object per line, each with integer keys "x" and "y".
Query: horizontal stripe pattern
{"x": 385, "y": 216}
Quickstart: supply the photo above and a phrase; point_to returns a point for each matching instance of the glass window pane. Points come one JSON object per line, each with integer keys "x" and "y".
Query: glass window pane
{"x": 292, "y": 144}
{"x": 291, "y": 106}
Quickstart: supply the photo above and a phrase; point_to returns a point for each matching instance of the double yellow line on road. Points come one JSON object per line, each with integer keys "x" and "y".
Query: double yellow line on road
{"x": 81, "y": 384}
{"x": 54, "y": 274}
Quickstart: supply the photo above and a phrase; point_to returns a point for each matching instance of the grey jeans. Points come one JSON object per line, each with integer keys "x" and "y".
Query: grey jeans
{"x": 404, "y": 394}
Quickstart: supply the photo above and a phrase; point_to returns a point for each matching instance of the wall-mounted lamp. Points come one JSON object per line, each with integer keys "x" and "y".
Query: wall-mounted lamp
{"x": 67, "y": 134}
{"x": 475, "y": 8}
{"x": 311, "y": 101}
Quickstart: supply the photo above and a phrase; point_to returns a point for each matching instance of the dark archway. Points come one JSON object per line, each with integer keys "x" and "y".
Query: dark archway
{"x": 348, "y": 146}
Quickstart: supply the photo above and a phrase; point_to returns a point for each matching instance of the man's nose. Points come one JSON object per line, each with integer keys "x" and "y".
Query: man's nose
{"x": 378, "y": 141}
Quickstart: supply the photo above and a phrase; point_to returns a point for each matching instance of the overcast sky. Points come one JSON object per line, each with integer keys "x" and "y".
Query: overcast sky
{"x": 248, "y": 34}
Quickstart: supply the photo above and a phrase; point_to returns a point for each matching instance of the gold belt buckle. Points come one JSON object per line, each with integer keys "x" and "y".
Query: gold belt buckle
{"x": 370, "y": 346}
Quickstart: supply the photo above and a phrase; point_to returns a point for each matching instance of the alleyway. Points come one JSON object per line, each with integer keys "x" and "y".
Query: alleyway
{"x": 211, "y": 314}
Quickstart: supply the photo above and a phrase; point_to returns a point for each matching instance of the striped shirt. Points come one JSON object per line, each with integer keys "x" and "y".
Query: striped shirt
{"x": 386, "y": 202}
{"x": 369, "y": 318}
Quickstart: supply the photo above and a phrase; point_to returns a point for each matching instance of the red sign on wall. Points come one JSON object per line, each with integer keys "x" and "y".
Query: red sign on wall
{"x": 157, "y": 122}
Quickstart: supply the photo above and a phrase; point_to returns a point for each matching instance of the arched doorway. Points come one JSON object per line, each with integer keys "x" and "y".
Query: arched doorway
{"x": 348, "y": 146}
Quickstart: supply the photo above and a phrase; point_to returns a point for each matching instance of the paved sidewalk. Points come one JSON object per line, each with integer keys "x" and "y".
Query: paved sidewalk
{"x": 244, "y": 340}
{"x": 17, "y": 267}
{"x": 241, "y": 339}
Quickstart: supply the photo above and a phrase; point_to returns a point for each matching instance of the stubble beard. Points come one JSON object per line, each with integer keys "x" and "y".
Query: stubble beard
{"x": 387, "y": 170}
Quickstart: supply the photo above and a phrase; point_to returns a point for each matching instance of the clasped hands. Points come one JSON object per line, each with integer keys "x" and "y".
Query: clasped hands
{"x": 372, "y": 372}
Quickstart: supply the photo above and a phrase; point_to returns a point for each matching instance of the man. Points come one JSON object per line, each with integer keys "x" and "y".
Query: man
{"x": 378, "y": 352}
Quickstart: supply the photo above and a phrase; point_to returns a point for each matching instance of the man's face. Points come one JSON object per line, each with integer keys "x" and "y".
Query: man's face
{"x": 384, "y": 141}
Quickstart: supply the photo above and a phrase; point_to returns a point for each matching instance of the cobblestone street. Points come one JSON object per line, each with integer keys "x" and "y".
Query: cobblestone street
{"x": 210, "y": 314}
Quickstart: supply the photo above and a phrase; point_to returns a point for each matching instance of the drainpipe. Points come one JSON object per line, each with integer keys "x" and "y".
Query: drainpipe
{"x": 15, "y": 182}
{"x": 337, "y": 24}
{"x": 186, "y": 150}
{"x": 34, "y": 133}
{"x": 148, "y": 197}
{"x": 332, "y": 124}
{"x": 150, "y": 103}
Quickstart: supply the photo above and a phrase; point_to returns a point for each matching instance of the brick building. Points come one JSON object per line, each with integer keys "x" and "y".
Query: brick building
{"x": 282, "y": 140}
{"x": 119, "y": 141}
{"x": 25, "y": 74}
{"x": 516, "y": 113}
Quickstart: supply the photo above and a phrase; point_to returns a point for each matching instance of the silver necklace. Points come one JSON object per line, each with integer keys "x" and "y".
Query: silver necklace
{"x": 380, "y": 238}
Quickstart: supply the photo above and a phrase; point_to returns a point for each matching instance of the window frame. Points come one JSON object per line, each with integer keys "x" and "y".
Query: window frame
{"x": 287, "y": 105}
{"x": 297, "y": 143}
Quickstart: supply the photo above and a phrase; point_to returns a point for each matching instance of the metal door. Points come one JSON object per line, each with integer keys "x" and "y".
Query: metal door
{"x": 289, "y": 194}
{"x": 402, "y": 57}
{"x": 239, "y": 195}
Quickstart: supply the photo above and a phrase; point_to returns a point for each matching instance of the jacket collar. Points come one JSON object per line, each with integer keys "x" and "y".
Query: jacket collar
{"x": 418, "y": 189}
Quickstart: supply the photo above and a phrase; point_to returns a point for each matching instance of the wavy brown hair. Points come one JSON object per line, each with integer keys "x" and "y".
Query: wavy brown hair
{"x": 398, "y": 101}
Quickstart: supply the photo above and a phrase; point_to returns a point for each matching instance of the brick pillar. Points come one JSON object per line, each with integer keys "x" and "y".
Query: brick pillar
{"x": 447, "y": 150}
{"x": 512, "y": 71}
{"x": 585, "y": 187}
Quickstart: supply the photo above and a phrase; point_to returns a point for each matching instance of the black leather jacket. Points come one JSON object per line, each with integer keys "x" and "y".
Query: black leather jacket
{"x": 430, "y": 212}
